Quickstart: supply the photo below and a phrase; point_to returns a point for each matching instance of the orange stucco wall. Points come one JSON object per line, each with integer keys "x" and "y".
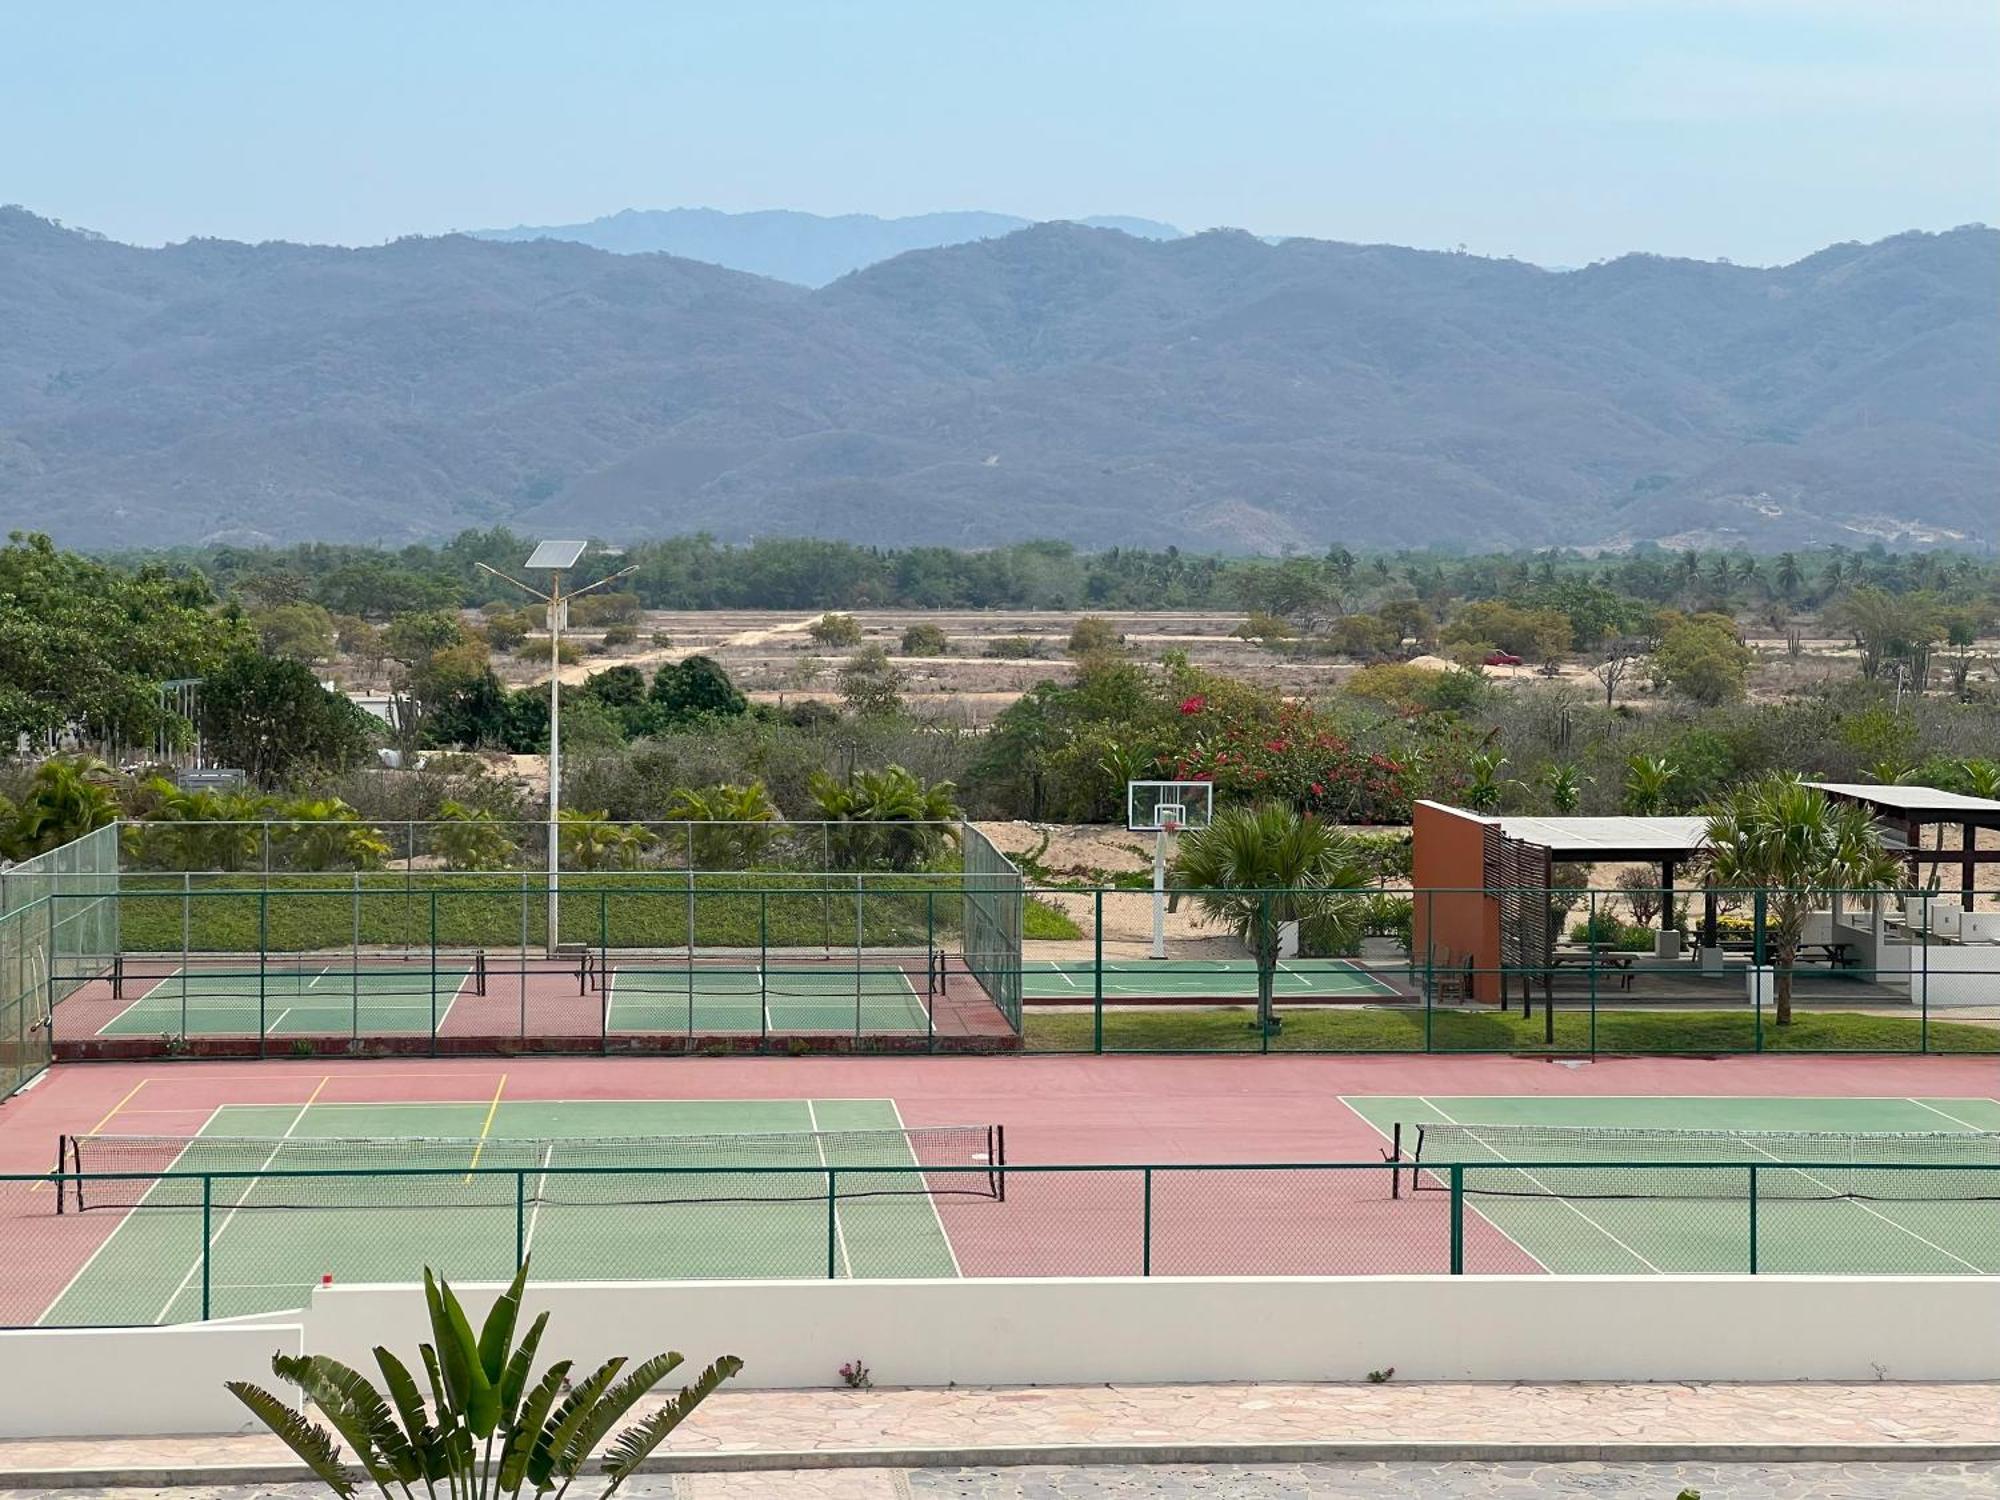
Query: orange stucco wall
{"x": 1448, "y": 861}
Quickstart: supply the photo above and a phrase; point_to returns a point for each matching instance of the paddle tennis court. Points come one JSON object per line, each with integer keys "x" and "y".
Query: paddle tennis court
{"x": 1596, "y": 1220}
{"x": 244, "y": 998}
{"x": 798, "y": 997}
{"x": 564, "y": 1200}
{"x": 1052, "y": 981}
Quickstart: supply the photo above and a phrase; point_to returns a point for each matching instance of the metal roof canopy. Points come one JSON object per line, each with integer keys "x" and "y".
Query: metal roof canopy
{"x": 551, "y": 557}
{"x": 1610, "y": 838}
{"x": 1917, "y": 804}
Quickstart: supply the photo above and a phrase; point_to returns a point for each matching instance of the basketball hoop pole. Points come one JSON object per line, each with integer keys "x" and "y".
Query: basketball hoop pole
{"x": 1160, "y": 891}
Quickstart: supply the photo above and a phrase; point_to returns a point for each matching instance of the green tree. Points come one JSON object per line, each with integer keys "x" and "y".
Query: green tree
{"x": 870, "y": 684}
{"x": 1704, "y": 659}
{"x": 1563, "y": 783}
{"x": 895, "y": 821}
{"x": 273, "y": 720}
{"x": 1093, "y": 635}
{"x": 693, "y": 689}
{"x": 925, "y": 639}
{"x": 1256, "y": 869}
{"x": 70, "y": 795}
{"x": 591, "y": 841}
{"x": 324, "y": 833}
{"x": 302, "y": 632}
{"x": 1483, "y": 781}
{"x": 472, "y": 838}
{"x": 1790, "y": 841}
{"x": 835, "y": 630}
{"x": 730, "y": 826}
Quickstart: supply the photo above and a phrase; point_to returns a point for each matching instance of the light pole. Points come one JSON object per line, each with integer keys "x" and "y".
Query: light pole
{"x": 555, "y": 559}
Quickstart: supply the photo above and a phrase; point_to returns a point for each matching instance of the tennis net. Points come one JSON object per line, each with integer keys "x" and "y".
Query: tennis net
{"x": 1588, "y": 1161}
{"x": 159, "y": 1171}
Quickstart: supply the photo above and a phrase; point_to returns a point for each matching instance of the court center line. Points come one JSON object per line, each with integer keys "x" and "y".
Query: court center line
{"x": 1953, "y": 1118}
{"x": 1427, "y": 1104}
{"x": 1490, "y": 1222}
{"x": 839, "y": 1229}
{"x": 456, "y": 990}
{"x": 208, "y": 1249}
{"x": 929, "y": 1196}
{"x": 486, "y": 1127}
{"x": 541, "y": 1197}
{"x": 1867, "y": 1208}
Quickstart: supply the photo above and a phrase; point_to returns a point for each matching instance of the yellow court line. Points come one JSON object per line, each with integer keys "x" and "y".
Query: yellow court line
{"x": 110, "y": 1115}
{"x": 487, "y": 1129}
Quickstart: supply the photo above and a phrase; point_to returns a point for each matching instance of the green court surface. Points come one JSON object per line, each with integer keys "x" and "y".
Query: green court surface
{"x": 1051, "y": 979}
{"x": 836, "y": 999}
{"x": 273, "y": 1239}
{"x": 292, "y": 1001}
{"x": 1955, "y": 1232}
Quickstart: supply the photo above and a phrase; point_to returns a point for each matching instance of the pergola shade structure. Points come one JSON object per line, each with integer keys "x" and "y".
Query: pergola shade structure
{"x": 1904, "y": 812}
{"x": 1481, "y": 883}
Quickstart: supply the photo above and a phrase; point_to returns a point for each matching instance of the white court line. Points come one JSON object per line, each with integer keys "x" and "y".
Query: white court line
{"x": 1427, "y": 1104}
{"x": 929, "y": 1197}
{"x": 126, "y": 1218}
{"x": 1490, "y": 1222}
{"x": 445, "y": 1014}
{"x": 541, "y": 1196}
{"x": 132, "y": 1005}
{"x": 250, "y": 1186}
{"x": 1868, "y": 1208}
{"x": 839, "y": 1229}
{"x": 1953, "y": 1118}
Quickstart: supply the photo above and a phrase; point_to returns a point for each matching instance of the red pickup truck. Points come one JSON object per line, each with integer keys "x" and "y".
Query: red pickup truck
{"x": 1502, "y": 659}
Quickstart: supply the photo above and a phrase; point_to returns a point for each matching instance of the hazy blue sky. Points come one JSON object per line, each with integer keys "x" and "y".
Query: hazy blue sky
{"x": 1558, "y": 130}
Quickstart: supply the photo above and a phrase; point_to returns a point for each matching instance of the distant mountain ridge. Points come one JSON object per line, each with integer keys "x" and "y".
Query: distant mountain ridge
{"x": 806, "y": 249}
{"x": 1214, "y": 392}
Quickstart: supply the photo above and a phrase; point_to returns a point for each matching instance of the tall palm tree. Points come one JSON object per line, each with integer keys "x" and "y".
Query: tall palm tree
{"x": 1790, "y": 841}
{"x": 1254, "y": 869}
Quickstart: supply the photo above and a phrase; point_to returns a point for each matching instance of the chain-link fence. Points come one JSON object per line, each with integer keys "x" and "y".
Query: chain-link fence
{"x": 163, "y": 1247}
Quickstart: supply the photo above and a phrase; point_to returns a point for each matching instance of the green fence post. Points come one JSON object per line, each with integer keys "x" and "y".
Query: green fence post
{"x": 1096, "y": 971}
{"x": 1430, "y": 966}
{"x": 604, "y": 965}
{"x": 520, "y": 1218}
{"x": 1924, "y": 977}
{"x": 263, "y": 961}
{"x": 933, "y": 968}
{"x": 832, "y": 1228}
{"x": 1458, "y": 1218}
{"x": 1267, "y": 1006}
{"x": 434, "y": 969}
{"x": 1753, "y": 1219}
{"x": 1756, "y": 965}
{"x": 1146, "y": 1226}
{"x": 1590, "y": 937}
{"x": 207, "y": 1243}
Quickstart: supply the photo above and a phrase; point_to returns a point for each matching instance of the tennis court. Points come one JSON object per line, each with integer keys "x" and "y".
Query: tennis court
{"x": 710, "y": 997}
{"x": 1053, "y": 980}
{"x": 1588, "y": 1220}
{"x": 287, "y": 998}
{"x": 274, "y": 1238}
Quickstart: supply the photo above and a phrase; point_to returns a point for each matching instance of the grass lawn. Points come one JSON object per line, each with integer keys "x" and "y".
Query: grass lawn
{"x": 1365, "y": 1029}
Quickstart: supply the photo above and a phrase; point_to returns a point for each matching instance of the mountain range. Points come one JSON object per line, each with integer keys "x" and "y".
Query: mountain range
{"x": 1214, "y": 392}
{"x": 809, "y": 249}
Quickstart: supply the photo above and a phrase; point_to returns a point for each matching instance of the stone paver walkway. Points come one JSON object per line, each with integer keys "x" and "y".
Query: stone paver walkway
{"x": 911, "y": 1424}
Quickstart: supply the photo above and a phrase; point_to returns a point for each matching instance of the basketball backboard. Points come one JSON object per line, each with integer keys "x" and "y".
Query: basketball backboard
{"x": 1172, "y": 806}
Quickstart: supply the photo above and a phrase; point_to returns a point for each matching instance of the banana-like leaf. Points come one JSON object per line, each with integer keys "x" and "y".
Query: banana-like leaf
{"x": 312, "y": 1443}
{"x": 636, "y": 1443}
{"x": 428, "y": 1441}
{"x": 618, "y": 1400}
{"x": 451, "y": 1425}
{"x": 526, "y": 1431}
{"x": 497, "y": 1334}
{"x": 515, "y": 1379}
{"x": 552, "y": 1447}
{"x": 478, "y": 1402}
{"x": 358, "y": 1413}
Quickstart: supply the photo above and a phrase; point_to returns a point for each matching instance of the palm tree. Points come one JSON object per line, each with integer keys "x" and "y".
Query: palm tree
{"x": 71, "y": 795}
{"x": 471, "y": 838}
{"x": 1787, "y": 840}
{"x": 1647, "y": 778}
{"x": 1564, "y": 783}
{"x": 904, "y": 822}
{"x": 1254, "y": 869}
{"x": 1482, "y": 791}
{"x": 730, "y": 826}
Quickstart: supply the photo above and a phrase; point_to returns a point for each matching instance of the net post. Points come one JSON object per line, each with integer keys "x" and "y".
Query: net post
{"x": 207, "y": 1242}
{"x": 62, "y": 1154}
{"x": 1146, "y": 1223}
{"x": 1753, "y": 1218}
{"x": 1396, "y": 1161}
{"x": 996, "y": 1156}
{"x": 1458, "y": 1218}
{"x": 832, "y": 1227}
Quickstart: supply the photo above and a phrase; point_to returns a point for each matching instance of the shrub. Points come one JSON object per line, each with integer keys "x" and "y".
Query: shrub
{"x": 1093, "y": 635}
{"x": 835, "y": 630}
{"x": 925, "y": 639}
{"x": 1014, "y": 648}
{"x": 1263, "y": 626}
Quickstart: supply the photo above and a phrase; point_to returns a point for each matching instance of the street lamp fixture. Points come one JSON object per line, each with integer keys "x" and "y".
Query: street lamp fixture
{"x": 555, "y": 559}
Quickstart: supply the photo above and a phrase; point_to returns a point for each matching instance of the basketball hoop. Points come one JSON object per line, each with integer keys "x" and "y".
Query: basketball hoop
{"x": 1163, "y": 809}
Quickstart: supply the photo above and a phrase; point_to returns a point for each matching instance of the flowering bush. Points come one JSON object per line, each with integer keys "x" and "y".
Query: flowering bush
{"x": 1301, "y": 758}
